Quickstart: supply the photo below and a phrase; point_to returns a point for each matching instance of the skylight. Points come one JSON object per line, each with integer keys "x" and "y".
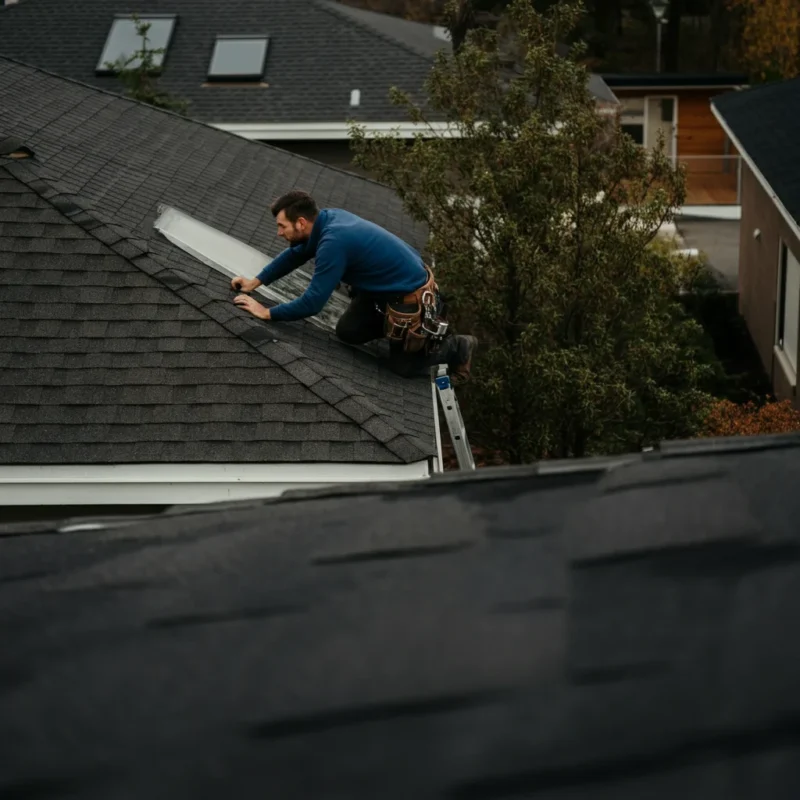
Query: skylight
{"x": 232, "y": 257}
{"x": 239, "y": 58}
{"x": 123, "y": 40}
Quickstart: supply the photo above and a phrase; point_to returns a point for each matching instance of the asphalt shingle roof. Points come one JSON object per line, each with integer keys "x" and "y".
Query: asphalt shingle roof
{"x": 766, "y": 120}
{"x": 583, "y": 634}
{"x": 317, "y": 55}
{"x": 117, "y": 346}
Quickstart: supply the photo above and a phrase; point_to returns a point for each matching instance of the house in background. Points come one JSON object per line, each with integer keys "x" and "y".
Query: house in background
{"x": 129, "y": 377}
{"x": 288, "y": 72}
{"x": 679, "y": 107}
{"x": 763, "y": 123}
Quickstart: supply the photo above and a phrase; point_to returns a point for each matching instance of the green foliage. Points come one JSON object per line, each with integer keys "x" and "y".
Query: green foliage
{"x": 541, "y": 215}
{"x": 139, "y": 71}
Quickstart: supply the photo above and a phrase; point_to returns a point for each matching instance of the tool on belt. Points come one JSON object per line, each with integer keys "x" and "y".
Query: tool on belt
{"x": 418, "y": 320}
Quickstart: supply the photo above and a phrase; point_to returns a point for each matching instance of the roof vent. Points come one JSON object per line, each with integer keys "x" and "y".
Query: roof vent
{"x": 11, "y": 147}
{"x": 355, "y": 97}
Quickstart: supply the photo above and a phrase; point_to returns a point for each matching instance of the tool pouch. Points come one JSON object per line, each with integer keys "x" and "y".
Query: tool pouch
{"x": 402, "y": 324}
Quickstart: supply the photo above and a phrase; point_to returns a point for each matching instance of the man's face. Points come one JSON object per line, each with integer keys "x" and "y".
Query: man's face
{"x": 293, "y": 232}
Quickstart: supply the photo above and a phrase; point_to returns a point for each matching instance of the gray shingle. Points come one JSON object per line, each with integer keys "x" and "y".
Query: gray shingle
{"x": 380, "y": 429}
{"x": 105, "y": 343}
{"x": 766, "y": 120}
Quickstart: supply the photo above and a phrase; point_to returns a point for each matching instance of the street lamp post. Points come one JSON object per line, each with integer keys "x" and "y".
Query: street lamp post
{"x": 659, "y": 12}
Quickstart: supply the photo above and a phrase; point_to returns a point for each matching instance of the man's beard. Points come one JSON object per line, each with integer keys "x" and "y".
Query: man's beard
{"x": 299, "y": 238}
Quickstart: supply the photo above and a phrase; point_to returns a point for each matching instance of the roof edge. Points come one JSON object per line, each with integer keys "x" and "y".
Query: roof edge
{"x": 330, "y": 8}
{"x": 793, "y": 224}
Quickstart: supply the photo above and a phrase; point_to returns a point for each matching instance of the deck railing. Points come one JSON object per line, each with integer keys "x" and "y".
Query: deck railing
{"x": 712, "y": 180}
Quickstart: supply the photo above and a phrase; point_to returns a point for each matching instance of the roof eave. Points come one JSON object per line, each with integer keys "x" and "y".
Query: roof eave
{"x": 765, "y": 185}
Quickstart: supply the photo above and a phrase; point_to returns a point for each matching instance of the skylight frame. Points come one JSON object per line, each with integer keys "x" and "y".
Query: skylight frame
{"x": 240, "y": 77}
{"x": 230, "y": 257}
{"x": 102, "y": 69}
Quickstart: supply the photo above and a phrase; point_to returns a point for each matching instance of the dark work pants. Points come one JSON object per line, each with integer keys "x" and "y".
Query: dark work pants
{"x": 363, "y": 322}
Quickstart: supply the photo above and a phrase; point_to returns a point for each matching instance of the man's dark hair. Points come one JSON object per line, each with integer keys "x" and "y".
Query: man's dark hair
{"x": 295, "y": 204}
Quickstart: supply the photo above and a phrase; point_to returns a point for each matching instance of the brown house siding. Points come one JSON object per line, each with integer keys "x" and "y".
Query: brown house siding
{"x": 758, "y": 274}
{"x": 699, "y": 132}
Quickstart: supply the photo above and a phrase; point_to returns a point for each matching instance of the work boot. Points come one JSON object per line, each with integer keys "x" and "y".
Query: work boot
{"x": 461, "y": 364}
{"x": 456, "y": 352}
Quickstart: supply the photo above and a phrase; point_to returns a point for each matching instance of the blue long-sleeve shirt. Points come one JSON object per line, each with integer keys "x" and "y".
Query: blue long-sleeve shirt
{"x": 350, "y": 249}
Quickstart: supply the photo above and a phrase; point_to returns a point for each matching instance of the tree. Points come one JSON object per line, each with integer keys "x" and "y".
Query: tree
{"x": 541, "y": 213}
{"x": 139, "y": 71}
{"x": 770, "y": 37}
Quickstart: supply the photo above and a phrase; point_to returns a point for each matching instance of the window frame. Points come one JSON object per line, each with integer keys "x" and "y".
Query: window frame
{"x": 630, "y": 116}
{"x": 241, "y": 77}
{"x": 102, "y": 69}
{"x": 785, "y": 354}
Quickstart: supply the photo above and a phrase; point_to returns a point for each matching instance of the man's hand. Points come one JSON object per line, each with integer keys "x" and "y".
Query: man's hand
{"x": 242, "y": 284}
{"x": 253, "y": 306}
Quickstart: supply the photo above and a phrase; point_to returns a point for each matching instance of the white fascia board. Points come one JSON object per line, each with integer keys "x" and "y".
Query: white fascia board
{"x": 325, "y": 131}
{"x": 790, "y": 220}
{"x": 657, "y": 89}
{"x": 175, "y": 484}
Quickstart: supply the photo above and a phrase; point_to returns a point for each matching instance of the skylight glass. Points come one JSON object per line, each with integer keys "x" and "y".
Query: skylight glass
{"x": 123, "y": 40}
{"x": 239, "y": 58}
{"x": 232, "y": 257}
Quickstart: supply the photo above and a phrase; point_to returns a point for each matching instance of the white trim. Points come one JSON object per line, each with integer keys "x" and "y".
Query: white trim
{"x": 780, "y": 301}
{"x": 792, "y": 223}
{"x": 734, "y": 86}
{"x": 723, "y": 211}
{"x": 439, "y": 460}
{"x": 786, "y": 367}
{"x": 674, "y": 137}
{"x": 676, "y": 116}
{"x": 297, "y": 131}
{"x": 170, "y": 484}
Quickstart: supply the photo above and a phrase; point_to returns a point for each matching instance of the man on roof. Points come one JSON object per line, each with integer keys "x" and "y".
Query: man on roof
{"x": 393, "y": 293}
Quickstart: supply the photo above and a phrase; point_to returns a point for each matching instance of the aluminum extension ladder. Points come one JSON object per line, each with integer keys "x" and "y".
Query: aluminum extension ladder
{"x": 455, "y": 422}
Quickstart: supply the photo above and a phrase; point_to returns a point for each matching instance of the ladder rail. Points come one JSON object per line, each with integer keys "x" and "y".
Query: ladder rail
{"x": 455, "y": 422}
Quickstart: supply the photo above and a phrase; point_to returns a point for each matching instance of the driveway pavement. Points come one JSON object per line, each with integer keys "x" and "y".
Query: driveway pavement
{"x": 719, "y": 240}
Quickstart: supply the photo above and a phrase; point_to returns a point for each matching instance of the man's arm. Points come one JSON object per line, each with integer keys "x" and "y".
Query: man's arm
{"x": 290, "y": 259}
{"x": 328, "y": 270}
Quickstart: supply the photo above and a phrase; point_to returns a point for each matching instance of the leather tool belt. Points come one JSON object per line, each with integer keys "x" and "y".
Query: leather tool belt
{"x": 417, "y": 319}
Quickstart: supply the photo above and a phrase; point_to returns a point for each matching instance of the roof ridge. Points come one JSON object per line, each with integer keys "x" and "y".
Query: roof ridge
{"x": 191, "y": 120}
{"x": 330, "y": 7}
{"x": 337, "y": 392}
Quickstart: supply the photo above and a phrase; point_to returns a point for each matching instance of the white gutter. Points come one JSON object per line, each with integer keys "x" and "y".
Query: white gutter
{"x": 790, "y": 220}
{"x": 310, "y": 131}
{"x": 731, "y": 86}
{"x": 171, "y": 484}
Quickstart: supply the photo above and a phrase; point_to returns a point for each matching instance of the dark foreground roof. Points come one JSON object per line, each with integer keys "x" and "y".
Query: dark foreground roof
{"x": 317, "y": 55}
{"x": 766, "y": 121}
{"x": 115, "y": 346}
{"x": 586, "y": 633}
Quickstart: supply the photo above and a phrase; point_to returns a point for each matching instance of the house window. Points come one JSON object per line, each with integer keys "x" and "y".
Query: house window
{"x": 632, "y": 118}
{"x": 788, "y": 305}
{"x": 123, "y": 40}
{"x": 635, "y": 131}
{"x": 238, "y": 58}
